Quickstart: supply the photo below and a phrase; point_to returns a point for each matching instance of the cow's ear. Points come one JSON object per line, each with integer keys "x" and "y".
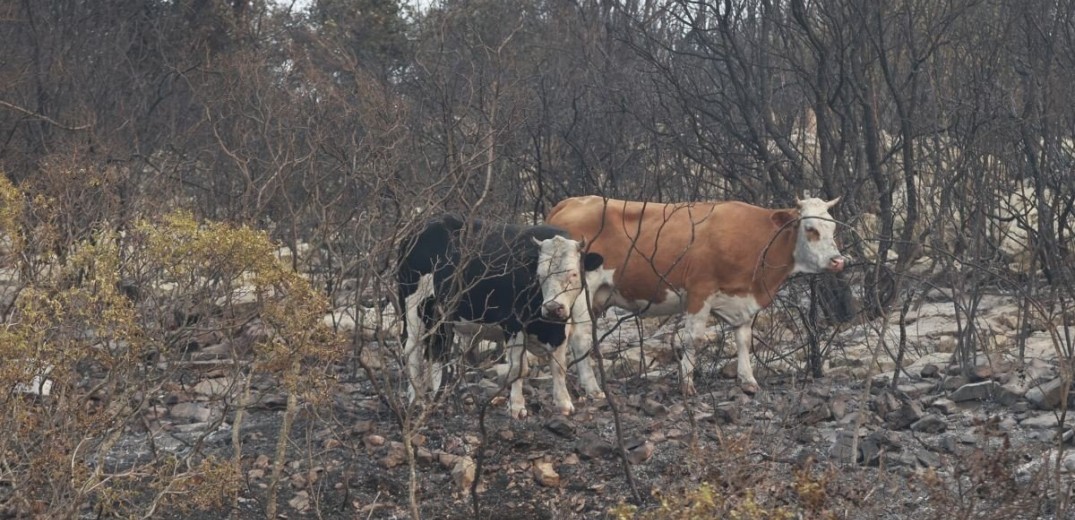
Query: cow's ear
{"x": 782, "y": 218}
{"x": 592, "y": 261}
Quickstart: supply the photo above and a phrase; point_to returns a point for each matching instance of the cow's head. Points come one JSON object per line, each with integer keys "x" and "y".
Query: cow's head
{"x": 815, "y": 248}
{"x": 561, "y": 264}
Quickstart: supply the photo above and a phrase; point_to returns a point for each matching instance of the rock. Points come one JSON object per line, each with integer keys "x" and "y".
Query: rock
{"x": 506, "y": 435}
{"x": 570, "y": 459}
{"x": 726, "y": 413}
{"x": 590, "y": 446}
{"x": 730, "y": 370}
{"x": 562, "y": 427}
{"x": 653, "y": 408}
{"x": 955, "y": 381}
{"x": 544, "y": 474}
{"x": 917, "y": 389}
{"x": 361, "y": 427}
{"x": 1045, "y": 420}
{"x": 812, "y": 410}
{"x": 463, "y": 473}
{"x": 300, "y": 502}
{"x": 423, "y": 455}
{"x": 841, "y": 449}
{"x": 930, "y": 423}
{"x": 1046, "y": 396}
{"x": 1007, "y": 424}
{"x": 298, "y": 481}
{"x": 869, "y": 452}
{"x": 397, "y": 454}
{"x": 213, "y": 387}
{"x": 904, "y": 416}
{"x": 838, "y": 407}
{"x": 976, "y": 391}
{"x": 944, "y": 405}
{"x": 640, "y": 453}
{"x": 928, "y": 459}
{"x": 930, "y": 370}
{"x": 373, "y": 440}
{"x": 194, "y": 411}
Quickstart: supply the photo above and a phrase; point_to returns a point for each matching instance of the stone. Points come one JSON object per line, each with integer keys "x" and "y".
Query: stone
{"x": 841, "y": 449}
{"x": 640, "y": 453}
{"x": 544, "y": 474}
{"x": 928, "y": 459}
{"x": 590, "y": 446}
{"x": 726, "y": 413}
{"x": 904, "y": 416}
{"x": 213, "y": 387}
{"x": 397, "y": 454}
{"x": 562, "y": 427}
{"x": 812, "y": 410}
{"x": 300, "y": 502}
{"x": 373, "y": 440}
{"x": 463, "y": 473}
{"x": 653, "y": 408}
{"x": 1045, "y": 420}
{"x": 944, "y": 405}
{"x": 193, "y": 411}
{"x": 953, "y": 382}
{"x": 1046, "y": 396}
{"x": 930, "y": 371}
{"x": 976, "y": 391}
{"x": 917, "y": 389}
{"x": 930, "y": 423}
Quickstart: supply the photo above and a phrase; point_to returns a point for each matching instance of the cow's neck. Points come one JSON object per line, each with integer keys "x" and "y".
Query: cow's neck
{"x": 777, "y": 265}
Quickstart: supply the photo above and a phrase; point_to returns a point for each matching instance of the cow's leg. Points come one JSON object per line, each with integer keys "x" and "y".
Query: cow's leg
{"x": 693, "y": 337}
{"x": 560, "y": 395}
{"x": 414, "y": 348}
{"x": 697, "y": 318}
{"x": 517, "y": 370}
{"x": 743, "y": 336}
{"x": 580, "y": 341}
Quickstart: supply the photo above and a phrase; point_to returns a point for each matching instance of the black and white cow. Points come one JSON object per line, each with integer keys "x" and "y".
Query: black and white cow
{"x": 522, "y": 279}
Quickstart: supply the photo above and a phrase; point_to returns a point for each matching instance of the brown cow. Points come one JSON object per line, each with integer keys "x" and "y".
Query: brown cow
{"x": 702, "y": 258}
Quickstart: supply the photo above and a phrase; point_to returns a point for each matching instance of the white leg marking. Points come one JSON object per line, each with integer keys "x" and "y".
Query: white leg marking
{"x": 739, "y": 312}
{"x": 560, "y": 395}
{"x": 693, "y": 337}
{"x": 517, "y": 370}
{"x": 580, "y": 341}
{"x": 414, "y": 350}
{"x": 744, "y": 334}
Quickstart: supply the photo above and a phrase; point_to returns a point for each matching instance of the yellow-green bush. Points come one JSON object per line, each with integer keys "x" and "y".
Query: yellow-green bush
{"x": 108, "y": 354}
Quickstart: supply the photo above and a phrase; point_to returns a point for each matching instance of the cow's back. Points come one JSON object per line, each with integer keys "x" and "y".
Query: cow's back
{"x": 484, "y": 271}
{"x": 653, "y": 247}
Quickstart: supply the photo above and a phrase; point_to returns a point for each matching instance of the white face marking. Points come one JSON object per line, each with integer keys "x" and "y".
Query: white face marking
{"x": 815, "y": 247}
{"x": 560, "y": 272}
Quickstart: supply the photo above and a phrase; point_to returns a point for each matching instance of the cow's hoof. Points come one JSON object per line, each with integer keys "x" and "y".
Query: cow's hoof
{"x": 749, "y": 388}
{"x": 566, "y": 409}
{"x": 688, "y": 389}
{"x": 517, "y": 412}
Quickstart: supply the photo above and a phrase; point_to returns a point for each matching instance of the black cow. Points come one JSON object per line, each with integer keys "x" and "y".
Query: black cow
{"x": 522, "y": 279}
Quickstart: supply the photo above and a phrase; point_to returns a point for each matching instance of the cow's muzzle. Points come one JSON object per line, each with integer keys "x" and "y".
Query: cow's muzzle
{"x": 554, "y": 310}
{"x": 836, "y": 264}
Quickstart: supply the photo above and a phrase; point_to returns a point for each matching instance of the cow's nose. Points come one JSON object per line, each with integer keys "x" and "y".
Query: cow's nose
{"x": 555, "y": 310}
{"x": 836, "y": 264}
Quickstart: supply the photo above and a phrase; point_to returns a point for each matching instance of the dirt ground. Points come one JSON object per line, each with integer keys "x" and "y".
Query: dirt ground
{"x": 786, "y": 450}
